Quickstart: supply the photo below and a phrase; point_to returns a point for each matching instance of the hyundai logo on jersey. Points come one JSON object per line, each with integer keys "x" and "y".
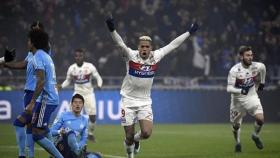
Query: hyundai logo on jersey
{"x": 142, "y": 70}
{"x": 247, "y": 82}
{"x": 81, "y": 79}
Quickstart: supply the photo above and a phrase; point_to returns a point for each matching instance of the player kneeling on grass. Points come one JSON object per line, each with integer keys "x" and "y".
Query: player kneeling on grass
{"x": 70, "y": 129}
{"x": 244, "y": 80}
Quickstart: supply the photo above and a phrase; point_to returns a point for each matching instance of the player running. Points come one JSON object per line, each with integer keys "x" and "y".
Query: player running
{"x": 244, "y": 80}
{"x": 82, "y": 73}
{"x": 136, "y": 102}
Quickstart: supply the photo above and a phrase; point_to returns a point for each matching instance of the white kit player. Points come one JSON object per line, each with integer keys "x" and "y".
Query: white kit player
{"x": 244, "y": 80}
{"x": 81, "y": 73}
{"x": 136, "y": 101}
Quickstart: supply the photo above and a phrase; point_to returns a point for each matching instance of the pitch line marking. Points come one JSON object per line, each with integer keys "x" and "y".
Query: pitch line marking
{"x": 41, "y": 149}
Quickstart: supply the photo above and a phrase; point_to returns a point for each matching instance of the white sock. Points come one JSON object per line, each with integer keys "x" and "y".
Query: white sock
{"x": 129, "y": 150}
{"x": 257, "y": 129}
{"x": 137, "y": 136}
{"x": 91, "y": 128}
{"x": 236, "y": 135}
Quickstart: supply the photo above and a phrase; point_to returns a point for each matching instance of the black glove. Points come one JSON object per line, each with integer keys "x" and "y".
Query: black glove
{"x": 261, "y": 86}
{"x": 245, "y": 90}
{"x": 110, "y": 23}
{"x": 10, "y": 54}
{"x": 193, "y": 28}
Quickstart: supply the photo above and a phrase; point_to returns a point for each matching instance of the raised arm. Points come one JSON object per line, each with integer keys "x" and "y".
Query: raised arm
{"x": 178, "y": 41}
{"x": 262, "y": 71}
{"x": 116, "y": 37}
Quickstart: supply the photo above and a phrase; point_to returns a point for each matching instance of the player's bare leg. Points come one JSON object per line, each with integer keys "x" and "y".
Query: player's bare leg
{"x": 258, "y": 126}
{"x": 129, "y": 140}
{"x": 92, "y": 119}
{"x": 145, "y": 132}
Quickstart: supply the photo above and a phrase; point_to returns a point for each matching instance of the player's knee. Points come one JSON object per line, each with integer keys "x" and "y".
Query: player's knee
{"x": 260, "y": 122}
{"x": 145, "y": 134}
{"x": 92, "y": 118}
{"x": 236, "y": 126}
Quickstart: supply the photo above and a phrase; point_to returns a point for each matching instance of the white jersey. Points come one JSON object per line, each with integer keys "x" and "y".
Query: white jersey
{"x": 137, "y": 84}
{"x": 82, "y": 78}
{"x": 245, "y": 77}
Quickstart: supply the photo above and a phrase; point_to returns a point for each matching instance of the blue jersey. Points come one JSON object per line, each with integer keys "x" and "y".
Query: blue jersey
{"x": 30, "y": 82}
{"x": 43, "y": 61}
{"x": 70, "y": 122}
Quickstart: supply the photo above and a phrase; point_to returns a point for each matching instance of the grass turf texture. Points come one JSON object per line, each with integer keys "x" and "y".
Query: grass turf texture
{"x": 170, "y": 141}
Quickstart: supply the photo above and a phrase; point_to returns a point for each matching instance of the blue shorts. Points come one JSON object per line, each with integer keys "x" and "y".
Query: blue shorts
{"x": 24, "y": 119}
{"x": 41, "y": 115}
{"x": 27, "y": 97}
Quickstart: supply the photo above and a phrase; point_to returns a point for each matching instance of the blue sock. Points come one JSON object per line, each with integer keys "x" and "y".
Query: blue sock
{"x": 49, "y": 147}
{"x": 30, "y": 145}
{"x": 20, "y": 136}
{"x": 72, "y": 142}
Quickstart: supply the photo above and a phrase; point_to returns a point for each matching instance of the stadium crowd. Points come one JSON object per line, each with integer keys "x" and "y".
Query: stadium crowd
{"x": 225, "y": 25}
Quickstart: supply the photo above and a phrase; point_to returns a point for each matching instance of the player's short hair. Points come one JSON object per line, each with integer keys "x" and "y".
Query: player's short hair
{"x": 145, "y": 38}
{"x": 39, "y": 39}
{"x": 79, "y": 96}
{"x": 79, "y": 50}
{"x": 243, "y": 49}
{"x": 37, "y": 24}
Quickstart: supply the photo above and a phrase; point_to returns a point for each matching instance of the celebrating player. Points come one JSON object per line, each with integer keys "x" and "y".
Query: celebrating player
{"x": 45, "y": 96}
{"x": 81, "y": 73}
{"x": 136, "y": 88}
{"x": 244, "y": 80}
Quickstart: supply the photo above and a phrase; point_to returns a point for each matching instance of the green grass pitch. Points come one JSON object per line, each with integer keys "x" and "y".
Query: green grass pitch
{"x": 170, "y": 141}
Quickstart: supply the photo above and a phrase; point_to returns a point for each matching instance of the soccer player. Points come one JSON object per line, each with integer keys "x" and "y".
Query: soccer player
{"x": 45, "y": 96}
{"x": 244, "y": 80}
{"x": 82, "y": 73}
{"x": 136, "y": 88}
{"x": 24, "y": 119}
{"x": 71, "y": 125}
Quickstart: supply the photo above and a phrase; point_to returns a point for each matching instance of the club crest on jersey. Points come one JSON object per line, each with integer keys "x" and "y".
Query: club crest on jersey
{"x": 142, "y": 70}
{"x": 145, "y": 67}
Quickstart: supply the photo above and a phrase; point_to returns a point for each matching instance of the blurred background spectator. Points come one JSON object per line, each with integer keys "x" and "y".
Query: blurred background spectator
{"x": 225, "y": 25}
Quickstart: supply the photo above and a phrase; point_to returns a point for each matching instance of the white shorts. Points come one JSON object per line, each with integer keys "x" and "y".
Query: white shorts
{"x": 90, "y": 104}
{"x": 130, "y": 115}
{"x": 238, "y": 109}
